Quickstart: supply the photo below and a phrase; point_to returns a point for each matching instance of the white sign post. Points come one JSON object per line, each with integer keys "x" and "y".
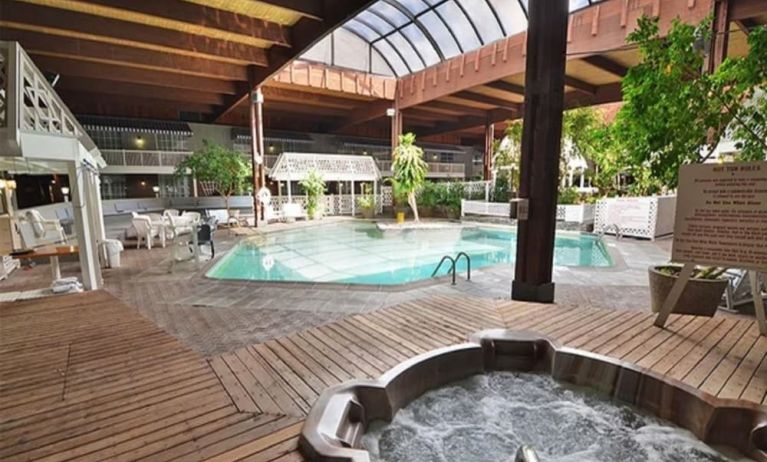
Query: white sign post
{"x": 721, "y": 220}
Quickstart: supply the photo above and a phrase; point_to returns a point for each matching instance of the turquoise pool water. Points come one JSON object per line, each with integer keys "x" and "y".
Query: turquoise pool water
{"x": 358, "y": 253}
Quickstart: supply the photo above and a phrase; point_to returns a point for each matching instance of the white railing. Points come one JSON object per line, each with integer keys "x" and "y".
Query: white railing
{"x": 29, "y": 104}
{"x": 492, "y": 209}
{"x": 436, "y": 169}
{"x": 141, "y": 158}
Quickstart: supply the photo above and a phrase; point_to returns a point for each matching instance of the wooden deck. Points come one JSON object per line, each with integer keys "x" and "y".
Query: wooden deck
{"x": 85, "y": 377}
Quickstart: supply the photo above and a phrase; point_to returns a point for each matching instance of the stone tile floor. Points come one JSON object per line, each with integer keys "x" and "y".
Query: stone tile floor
{"x": 214, "y": 316}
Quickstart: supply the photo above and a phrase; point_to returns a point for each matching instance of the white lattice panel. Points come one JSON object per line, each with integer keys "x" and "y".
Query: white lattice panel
{"x": 493, "y": 209}
{"x": 636, "y": 216}
{"x": 332, "y": 167}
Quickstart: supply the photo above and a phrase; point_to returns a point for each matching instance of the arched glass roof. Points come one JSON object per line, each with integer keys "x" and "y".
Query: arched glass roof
{"x": 405, "y": 36}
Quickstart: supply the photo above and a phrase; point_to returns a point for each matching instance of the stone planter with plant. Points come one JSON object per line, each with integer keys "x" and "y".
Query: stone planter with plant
{"x": 409, "y": 170}
{"x": 366, "y": 203}
{"x": 701, "y": 295}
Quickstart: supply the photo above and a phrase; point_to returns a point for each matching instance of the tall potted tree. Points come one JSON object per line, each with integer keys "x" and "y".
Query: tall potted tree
{"x": 409, "y": 169}
{"x": 314, "y": 186}
{"x": 224, "y": 167}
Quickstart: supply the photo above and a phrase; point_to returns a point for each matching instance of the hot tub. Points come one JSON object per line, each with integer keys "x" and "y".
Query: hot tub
{"x": 338, "y": 421}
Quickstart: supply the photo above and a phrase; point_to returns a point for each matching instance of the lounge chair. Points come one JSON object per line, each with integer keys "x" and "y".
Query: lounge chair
{"x": 147, "y": 230}
{"x": 290, "y": 212}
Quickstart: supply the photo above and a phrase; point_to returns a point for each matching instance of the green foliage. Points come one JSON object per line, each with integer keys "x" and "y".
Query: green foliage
{"x": 314, "y": 186}
{"x": 213, "y": 162}
{"x": 700, "y": 272}
{"x": 507, "y": 153}
{"x": 409, "y": 168}
{"x": 673, "y": 111}
{"x": 569, "y": 196}
{"x": 366, "y": 201}
{"x": 443, "y": 196}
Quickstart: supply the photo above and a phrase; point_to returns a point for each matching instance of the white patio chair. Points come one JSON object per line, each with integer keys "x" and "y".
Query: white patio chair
{"x": 184, "y": 246}
{"x": 292, "y": 211}
{"x": 171, "y": 213}
{"x": 191, "y": 217}
{"x": 37, "y": 231}
{"x": 145, "y": 229}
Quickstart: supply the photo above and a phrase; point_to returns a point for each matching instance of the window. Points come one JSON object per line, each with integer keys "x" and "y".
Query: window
{"x": 174, "y": 186}
{"x": 447, "y": 157}
{"x": 113, "y": 187}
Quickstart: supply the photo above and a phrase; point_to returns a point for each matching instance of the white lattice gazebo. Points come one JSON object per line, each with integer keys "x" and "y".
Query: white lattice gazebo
{"x": 291, "y": 166}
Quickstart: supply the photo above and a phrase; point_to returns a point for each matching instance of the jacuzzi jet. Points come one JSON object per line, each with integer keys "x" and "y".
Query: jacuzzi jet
{"x": 518, "y": 396}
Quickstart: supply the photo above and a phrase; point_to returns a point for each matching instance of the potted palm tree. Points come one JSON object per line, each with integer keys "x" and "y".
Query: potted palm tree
{"x": 409, "y": 170}
{"x": 314, "y": 186}
{"x": 701, "y": 295}
{"x": 366, "y": 203}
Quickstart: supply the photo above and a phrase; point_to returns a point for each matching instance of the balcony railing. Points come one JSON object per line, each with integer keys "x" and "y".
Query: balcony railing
{"x": 140, "y": 158}
{"x": 436, "y": 169}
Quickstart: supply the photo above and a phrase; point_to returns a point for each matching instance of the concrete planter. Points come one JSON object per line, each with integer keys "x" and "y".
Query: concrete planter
{"x": 700, "y": 297}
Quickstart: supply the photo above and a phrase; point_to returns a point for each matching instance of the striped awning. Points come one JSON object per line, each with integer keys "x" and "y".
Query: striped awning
{"x": 120, "y": 124}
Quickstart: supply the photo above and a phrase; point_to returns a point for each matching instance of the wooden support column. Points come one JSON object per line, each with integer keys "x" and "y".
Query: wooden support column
{"x": 487, "y": 161}
{"x": 257, "y": 150}
{"x": 720, "y": 35}
{"x": 541, "y": 135}
{"x": 396, "y": 128}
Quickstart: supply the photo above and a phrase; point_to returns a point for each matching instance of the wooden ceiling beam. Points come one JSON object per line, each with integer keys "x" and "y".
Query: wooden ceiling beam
{"x": 204, "y": 16}
{"x": 77, "y": 68}
{"x": 308, "y": 8}
{"x": 63, "y": 22}
{"x": 365, "y": 112}
{"x": 305, "y": 33}
{"x": 509, "y": 87}
{"x": 451, "y": 108}
{"x": 607, "y": 65}
{"x": 305, "y": 97}
{"x": 36, "y": 43}
{"x": 106, "y": 87}
{"x": 76, "y": 99}
{"x": 484, "y": 99}
{"x": 603, "y": 26}
{"x": 580, "y": 85}
{"x": 746, "y": 9}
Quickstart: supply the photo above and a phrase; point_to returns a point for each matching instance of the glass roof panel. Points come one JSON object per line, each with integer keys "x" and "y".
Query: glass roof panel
{"x": 414, "y": 60}
{"x": 414, "y": 6}
{"x": 414, "y": 33}
{"x": 512, "y": 16}
{"x": 440, "y": 34}
{"x": 390, "y": 12}
{"x": 361, "y": 29}
{"x": 460, "y": 25}
{"x": 421, "y": 43}
{"x": 480, "y": 13}
{"x": 375, "y": 22}
{"x": 387, "y": 52}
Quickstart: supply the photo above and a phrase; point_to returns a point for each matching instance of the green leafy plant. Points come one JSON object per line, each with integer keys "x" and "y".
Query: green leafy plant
{"x": 700, "y": 272}
{"x": 409, "y": 169}
{"x": 215, "y": 163}
{"x": 366, "y": 202}
{"x": 569, "y": 196}
{"x": 314, "y": 186}
{"x": 675, "y": 114}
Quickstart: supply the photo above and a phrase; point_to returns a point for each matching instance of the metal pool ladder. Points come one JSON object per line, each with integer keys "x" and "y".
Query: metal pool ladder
{"x": 453, "y": 262}
{"x": 526, "y": 453}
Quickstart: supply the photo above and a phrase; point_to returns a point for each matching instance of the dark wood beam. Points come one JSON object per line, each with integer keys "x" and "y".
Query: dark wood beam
{"x": 541, "y": 146}
{"x": 580, "y": 85}
{"x": 746, "y": 25}
{"x": 484, "y": 99}
{"x": 305, "y": 33}
{"x": 308, "y": 8}
{"x": 119, "y": 55}
{"x": 59, "y": 22}
{"x": 205, "y": 16}
{"x": 607, "y": 65}
{"x": 746, "y": 9}
{"x": 366, "y": 111}
{"x": 305, "y": 97}
{"x": 509, "y": 87}
{"x": 720, "y": 29}
{"x": 441, "y": 106}
{"x": 77, "y": 98}
{"x": 300, "y": 108}
{"x": 494, "y": 115}
{"x": 77, "y": 68}
{"x": 419, "y": 114}
{"x": 107, "y": 87}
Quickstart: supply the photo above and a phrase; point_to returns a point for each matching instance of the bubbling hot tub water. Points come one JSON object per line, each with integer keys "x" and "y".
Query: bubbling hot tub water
{"x": 487, "y": 417}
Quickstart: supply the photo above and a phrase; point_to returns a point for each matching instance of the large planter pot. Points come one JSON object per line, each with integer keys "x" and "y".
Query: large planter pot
{"x": 368, "y": 213}
{"x": 700, "y": 297}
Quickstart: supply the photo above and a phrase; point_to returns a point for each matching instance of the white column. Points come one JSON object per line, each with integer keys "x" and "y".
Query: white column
{"x": 583, "y": 176}
{"x": 353, "y": 204}
{"x": 89, "y": 264}
{"x": 290, "y": 197}
{"x": 375, "y": 196}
